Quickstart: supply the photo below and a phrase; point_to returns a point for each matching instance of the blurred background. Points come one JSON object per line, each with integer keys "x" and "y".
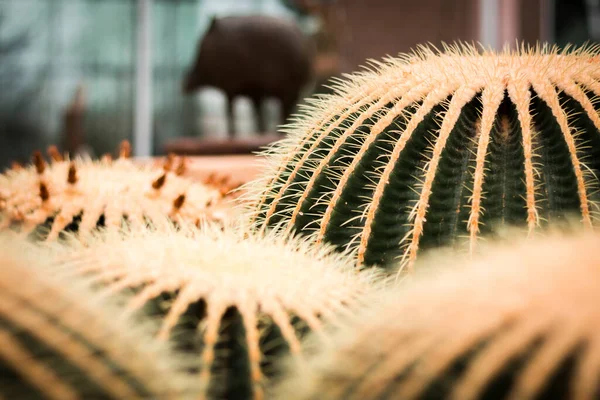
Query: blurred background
{"x": 87, "y": 74}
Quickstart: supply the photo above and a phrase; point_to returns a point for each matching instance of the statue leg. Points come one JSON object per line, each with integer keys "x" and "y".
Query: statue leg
{"x": 261, "y": 124}
{"x": 230, "y": 118}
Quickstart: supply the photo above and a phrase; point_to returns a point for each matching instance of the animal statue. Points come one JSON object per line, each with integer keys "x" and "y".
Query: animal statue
{"x": 253, "y": 56}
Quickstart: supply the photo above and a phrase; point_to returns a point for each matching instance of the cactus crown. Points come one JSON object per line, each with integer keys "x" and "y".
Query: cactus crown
{"x": 521, "y": 323}
{"x": 433, "y": 148}
{"x": 241, "y": 284}
{"x": 58, "y": 340}
{"x": 88, "y": 193}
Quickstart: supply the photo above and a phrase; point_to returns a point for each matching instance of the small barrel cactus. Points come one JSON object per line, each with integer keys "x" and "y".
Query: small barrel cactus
{"x": 81, "y": 194}
{"x": 251, "y": 298}
{"x": 521, "y": 323}
{"x": 59, "y": 341}
{"x": 435, "y": 149}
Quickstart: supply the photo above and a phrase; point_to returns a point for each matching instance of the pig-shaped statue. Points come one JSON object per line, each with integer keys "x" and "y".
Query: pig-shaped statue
{"x": 253, "y": 56}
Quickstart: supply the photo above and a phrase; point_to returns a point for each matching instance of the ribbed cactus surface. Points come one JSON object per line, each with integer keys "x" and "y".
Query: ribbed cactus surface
{"x": 81, "y": 194}
{"x": 58, "y": 340}
{"x": 522, "y": 323}
{"x": 438, "y": 148}
{"x": 238, "y": 300}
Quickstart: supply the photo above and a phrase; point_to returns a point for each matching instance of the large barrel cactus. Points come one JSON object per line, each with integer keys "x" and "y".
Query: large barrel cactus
{"x": 59, "y": 340}
{"x": 438, "y": 148}
{"x": 521, "y": 323}
{"x": 237, "y": 300}
{"x": 82, "y": 194}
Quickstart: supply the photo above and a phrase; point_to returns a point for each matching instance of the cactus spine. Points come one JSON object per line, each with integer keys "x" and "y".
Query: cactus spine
{"x": 521, "y": 323}
{"x": 81, "y": 194}
{"x": 435, "y": 149}
{"x": 58, "y": 341}
{"x": 251, "y": 297}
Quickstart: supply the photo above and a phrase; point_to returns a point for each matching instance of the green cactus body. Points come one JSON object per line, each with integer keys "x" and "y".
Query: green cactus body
{"x": 46, "y": 200}
{"x": 58, "y": 340}
{"x": 438, "y": 149}
{"x": 523, "y": 322}
{"x": 238, "y": 301}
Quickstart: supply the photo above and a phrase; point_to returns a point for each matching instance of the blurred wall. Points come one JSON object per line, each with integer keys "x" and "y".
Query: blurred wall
{"x": 64, "y": 43}
{"x": 374, "y": 28}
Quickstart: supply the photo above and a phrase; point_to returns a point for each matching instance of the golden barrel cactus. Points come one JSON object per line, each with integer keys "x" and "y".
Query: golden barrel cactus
{"x": 81, "y": 194}
{"x": 523, "y": 323}
{"x": 59, "y": 340}
{"x": 438, "y": 148}
{"x": 238, "y": 300}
